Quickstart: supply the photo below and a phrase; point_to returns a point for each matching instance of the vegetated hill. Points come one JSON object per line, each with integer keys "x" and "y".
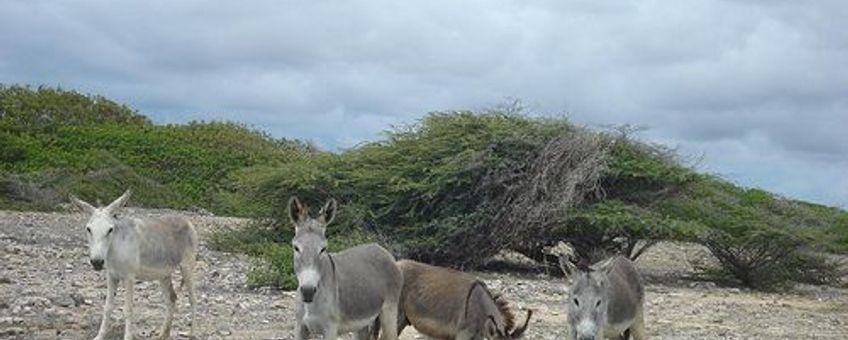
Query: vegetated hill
{"x": 453, "y": 188}
{"x": 55, "y": 142}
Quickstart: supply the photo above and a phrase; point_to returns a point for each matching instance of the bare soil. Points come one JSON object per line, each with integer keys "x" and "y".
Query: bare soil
{"x": 48, "y": 291}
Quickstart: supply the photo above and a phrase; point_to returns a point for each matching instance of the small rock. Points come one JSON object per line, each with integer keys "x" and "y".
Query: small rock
{"x": 11, "y": 331}
{"x": 64, "y": 300}
{"x": 78, "y": 299}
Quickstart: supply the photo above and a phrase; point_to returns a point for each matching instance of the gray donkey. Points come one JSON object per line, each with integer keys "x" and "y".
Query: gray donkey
{"x": 139, "y": 249}
{"x": 447, "y": 304}
{"x": 607, "y": 300}
{"x": 341, "y": 292}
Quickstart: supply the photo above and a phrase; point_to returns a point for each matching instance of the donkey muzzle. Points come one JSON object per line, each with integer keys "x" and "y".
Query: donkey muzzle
{"x": 308, "y": 293}
{"x": 97, "y": 264}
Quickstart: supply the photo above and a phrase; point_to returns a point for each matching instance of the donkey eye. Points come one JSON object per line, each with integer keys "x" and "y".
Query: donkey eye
{"x": 109, "y": 231}
{"x": 576, "y": 303}
{"x": 88, "y": 230}
{"x": 323, "y": 250}
{"x": 598, "y": 304}
{"x": 296, "y": 249}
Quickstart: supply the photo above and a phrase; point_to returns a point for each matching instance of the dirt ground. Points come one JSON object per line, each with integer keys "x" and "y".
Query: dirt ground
{"x": 48, "y": 291}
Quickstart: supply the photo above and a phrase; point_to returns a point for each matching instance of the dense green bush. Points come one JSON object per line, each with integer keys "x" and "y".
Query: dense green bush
{"x": 458, "y": 187}
{"x": 768, "y": 259}
{"x": 760, "y": 240}
{"x": 614, "y": 227}
{"x": 56, "y": 142}
{"x": 452, "y": 179}
{"x": 24, "y": 109}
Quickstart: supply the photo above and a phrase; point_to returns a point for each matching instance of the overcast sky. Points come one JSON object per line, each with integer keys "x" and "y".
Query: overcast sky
{"x": 758, "y": 87}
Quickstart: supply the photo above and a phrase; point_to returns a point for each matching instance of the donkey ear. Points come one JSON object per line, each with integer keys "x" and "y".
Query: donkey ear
{"x": 82, "y": 204}
{"x": 604, "y": 266}
{"x": 583, "y": 265}
{"x": 328, "y": 212}
{"x": 491, "y": 329}
{"x": 566, "y": 265}
{"x": 118, "y": 203}
{"x": 297, "y": 211}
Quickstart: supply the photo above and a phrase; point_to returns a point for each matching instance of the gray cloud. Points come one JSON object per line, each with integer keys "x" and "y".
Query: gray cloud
{"x": 758, "y": 87}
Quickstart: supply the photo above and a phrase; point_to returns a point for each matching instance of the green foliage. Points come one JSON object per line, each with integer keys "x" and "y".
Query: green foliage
{"x": 644, "y": 173}
{"x": 613, "y": 226}
{"x": 419, "y": 189}
{"x": 454, "y": 188}
{"x": 762, "y": 241}
{"x": 24, "y": 109}
{"x": 10, "y": 152}
{"x": 58, "y": 142}
{"x": 438, "y": 191}
{"x": 768, "y": 259}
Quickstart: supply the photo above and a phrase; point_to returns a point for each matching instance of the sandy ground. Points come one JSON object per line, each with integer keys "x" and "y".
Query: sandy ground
{"x": 48, "y": 291}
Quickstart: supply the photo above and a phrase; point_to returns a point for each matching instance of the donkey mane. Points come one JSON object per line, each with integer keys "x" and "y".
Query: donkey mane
{"x": 500, "y": 302}
{"x": 503, "y": 307}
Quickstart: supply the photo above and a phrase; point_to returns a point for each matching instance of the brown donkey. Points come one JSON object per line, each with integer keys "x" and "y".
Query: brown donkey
{"x": 447, "y": 304}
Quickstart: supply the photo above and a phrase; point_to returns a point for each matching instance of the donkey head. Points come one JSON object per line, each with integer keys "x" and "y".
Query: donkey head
{"x": 494, "y": 331}
{"x": 587, "y": 310}
{"x": 309, "y": 244}
{"x": 99, "y": 227}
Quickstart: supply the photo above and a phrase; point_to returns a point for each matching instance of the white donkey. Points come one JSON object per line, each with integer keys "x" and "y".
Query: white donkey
{"x": 139, "y": 249}
{"x": 341, "y": 292}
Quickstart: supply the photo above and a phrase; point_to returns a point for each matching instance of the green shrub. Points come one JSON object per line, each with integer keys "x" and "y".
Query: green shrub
{"x": 760, "y": 240}
{"x": 24, "y": 109}
{"x": 10, "y": 152}
{"x": 615, "y": 227}
{"x": 768, "y": 259}
{"x": 458, "y": 187}
{"x": 181, "y": 166}
{"x": 453, "y": 189}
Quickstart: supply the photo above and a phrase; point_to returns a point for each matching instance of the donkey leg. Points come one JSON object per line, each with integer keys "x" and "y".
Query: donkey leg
{"x": 170, "y": 297}
{"x": 373, "y": 330}
{"x": 129, "y": 285}
{"x": 106, "y": 323}
{"x": 637, "y": 330}
{"x": 389, "y": 321}
{"x": 365, "y": 333}
{"x": 468, "y": 335}
{"x": 301, "y": 333}
{"x": 187, "y": 271}
{"x": 331, "y": 332}
{"x": 402, "y": 323}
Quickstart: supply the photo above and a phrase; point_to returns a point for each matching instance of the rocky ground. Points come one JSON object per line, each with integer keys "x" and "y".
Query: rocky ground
{"x": 48, "y": 291}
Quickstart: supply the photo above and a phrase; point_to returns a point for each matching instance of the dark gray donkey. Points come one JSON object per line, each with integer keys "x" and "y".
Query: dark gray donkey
{"x": 139, "y": 249}
{"x": 607, "y": 300}
{"x": 342, "y": 292}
